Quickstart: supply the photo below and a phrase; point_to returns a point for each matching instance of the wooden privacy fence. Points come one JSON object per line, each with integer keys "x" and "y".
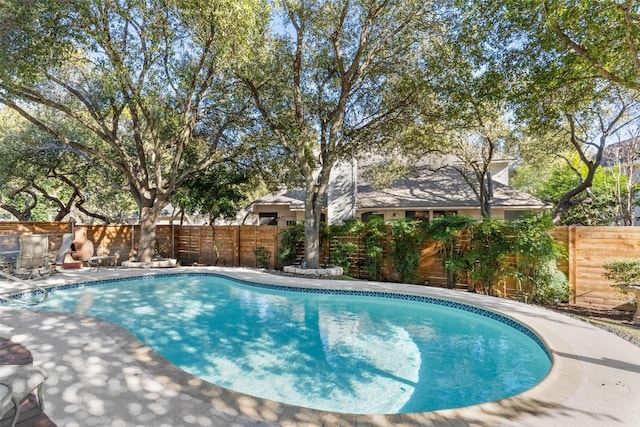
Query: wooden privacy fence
{"x": 588, "y": 249}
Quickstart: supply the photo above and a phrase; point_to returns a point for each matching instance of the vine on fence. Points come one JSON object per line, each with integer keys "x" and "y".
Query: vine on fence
{"x": 448, "y": 230}
{"x": 374, "y": 233}
{"x": 537, "y": 253}
{"x": 291, "y": 240}
{"x": 408, "y": 237}
{"x": 492, "y": 251}
{"x": 488, "y": 253}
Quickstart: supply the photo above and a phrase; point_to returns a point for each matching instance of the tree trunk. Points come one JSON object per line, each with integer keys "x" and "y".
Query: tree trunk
{"x": 147, "y": 242}
{"x": 311, "y": 238}
{"x": 312, "y": 214}
{"x": 566, "y": 201}
{"x": 486, "y": 193}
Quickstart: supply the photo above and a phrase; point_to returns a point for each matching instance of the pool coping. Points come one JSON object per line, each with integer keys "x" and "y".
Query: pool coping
{"x": 594, "y": 379}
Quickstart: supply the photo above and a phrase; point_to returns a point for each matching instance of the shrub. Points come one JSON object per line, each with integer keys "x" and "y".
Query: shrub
{"x": 262, "y": 255}
{"x": 408, "y": 236}
{"x": 551, "y": 284}
{"x": 373, "y": 235}
{"x": 447, "y": 230}
{"x": 290, "y": 240}
{"x": 623, "y": 271}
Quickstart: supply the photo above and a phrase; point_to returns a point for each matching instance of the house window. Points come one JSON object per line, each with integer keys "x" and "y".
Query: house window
{"x": 514, "y": 215}
{"x": 368, "y": 215}
{"x": 291, "y": 222}
{"x": 268, "y": 218}
{"x": 421, "y": 215}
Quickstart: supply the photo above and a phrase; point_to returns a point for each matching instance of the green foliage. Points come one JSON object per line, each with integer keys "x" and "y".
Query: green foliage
{"x": 623, "y": 271}
{"x": 371, "y": 235}
{"x": 219, "y": 192}
{"x": 491, "y": 246}
{"x": 43, "y": 179}
{"x": 537, "y": 253}
{"x": 550, "y": 284}
{"x": 566, "y": 37}
{"x": 341, "y": 253}
{"x": 521, "y": 249}
{"x": 262, "y": 255}
{"x": 408, "y": 236}
{"x": 382, "y": 175}
{"x": 447, "y": 230}
{"x": 599, "y": 206}
{"x": 374, "y": 232}
{"x": 291, "y": 239}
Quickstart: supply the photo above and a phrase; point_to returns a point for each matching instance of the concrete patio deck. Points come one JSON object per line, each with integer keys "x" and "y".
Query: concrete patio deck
{"x": 101, "y": 375}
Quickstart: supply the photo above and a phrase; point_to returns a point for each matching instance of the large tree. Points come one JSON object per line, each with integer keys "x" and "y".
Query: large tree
{"x": 463, "y": 108}
{"x": 148, "y": 80}
{"x": 600, "y": 38}
{"x": 572, "y": 69}
{"x": 337, "y": 76}
{"x": 597, "y": 205}
{"x": 571, "y": 40}
{"x": 42, "y": 179}
{"x": 577, "y": 128}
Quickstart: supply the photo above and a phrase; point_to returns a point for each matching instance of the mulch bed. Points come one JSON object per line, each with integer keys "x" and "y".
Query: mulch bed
{"x": 594, "y": 312}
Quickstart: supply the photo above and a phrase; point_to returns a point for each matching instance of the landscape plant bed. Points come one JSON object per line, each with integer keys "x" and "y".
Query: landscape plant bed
{"x": 615, "y": 321}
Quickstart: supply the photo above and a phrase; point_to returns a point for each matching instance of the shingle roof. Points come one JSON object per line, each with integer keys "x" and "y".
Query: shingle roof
{"x": 294, "y": 198}
{"x": 444, "y": 188}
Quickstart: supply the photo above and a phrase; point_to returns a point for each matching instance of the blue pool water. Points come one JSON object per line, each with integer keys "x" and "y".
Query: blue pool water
{"x": 343, "y": 353}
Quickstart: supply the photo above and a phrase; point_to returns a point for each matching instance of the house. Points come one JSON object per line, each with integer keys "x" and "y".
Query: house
{"x": 427, "y": 191}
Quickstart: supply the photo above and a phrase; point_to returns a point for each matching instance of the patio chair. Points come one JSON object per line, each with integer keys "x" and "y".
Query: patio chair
{"x": 9, "y": 251}
{"x": 17, "y": 382}
{"x": 34, "y": 255}
{"x": 103, "y": 258}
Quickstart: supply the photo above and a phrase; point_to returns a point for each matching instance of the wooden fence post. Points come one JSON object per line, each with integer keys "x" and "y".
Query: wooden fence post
{"x": 571, "y": 249}
{"x": 236, "y": 246}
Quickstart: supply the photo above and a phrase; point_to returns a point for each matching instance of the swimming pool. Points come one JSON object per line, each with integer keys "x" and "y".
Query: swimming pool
{"x": 342, "y": 351}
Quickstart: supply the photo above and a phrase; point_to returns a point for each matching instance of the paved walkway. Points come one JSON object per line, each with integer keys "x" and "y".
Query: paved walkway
{"x": 100, "y": 375}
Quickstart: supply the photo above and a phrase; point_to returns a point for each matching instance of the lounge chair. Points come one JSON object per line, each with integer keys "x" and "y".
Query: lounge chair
{"x": 17, "y": 382}
{"x": 9, "y": 251}
{"x": 34, "y": 255}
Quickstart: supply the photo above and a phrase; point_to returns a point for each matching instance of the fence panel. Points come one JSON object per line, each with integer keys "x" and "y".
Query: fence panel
{"x": 254, "y": 236}
{"x": 431, "y": 270}
{"x": 588, "y": 249}
{"x": 114, "y": 239}
{"x": 594, "y": 247}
